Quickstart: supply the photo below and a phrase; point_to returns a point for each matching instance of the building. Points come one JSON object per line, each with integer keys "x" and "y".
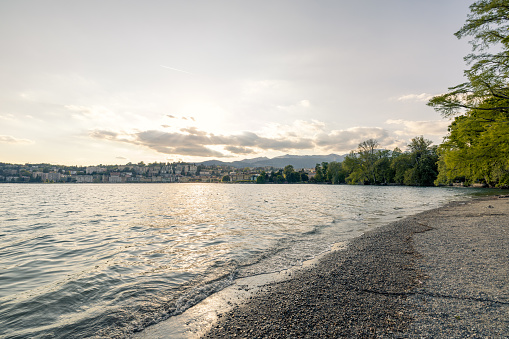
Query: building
{"x": 115, "y": 177}
{"x": 52, "y": 176}
{"x": 94, "y": 169}
{"x": 84, "y": 179}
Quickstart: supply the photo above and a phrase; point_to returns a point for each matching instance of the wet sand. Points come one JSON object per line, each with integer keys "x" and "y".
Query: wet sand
{"x": 443, "y": 273}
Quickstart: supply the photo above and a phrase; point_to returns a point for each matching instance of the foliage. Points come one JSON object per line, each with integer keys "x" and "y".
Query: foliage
{"x": 382, "y": 167}
{"x": 424, "y": 163}
{"x": 487, "y": 77}
{"x": 373, "y": 166}
{"x": 319, "y": 175}
{"x": 352, "y": 166}
{"x": 477, "y": 147}
{"x": 335, "y": 173}
{"x": 476, "y": 151}
{"x": 304, "y": 177}
{"x": 400, "y": 164}
{"x": 290, "y": 175}
{"x": 368, "y": 155}
{"x": 262, "y": 178}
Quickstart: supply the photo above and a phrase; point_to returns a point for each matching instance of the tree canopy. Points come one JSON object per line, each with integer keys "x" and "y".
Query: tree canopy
{"x": 487, "y": 77}
{"x": 372, "y": 166}
{"x": 477, "y": 146}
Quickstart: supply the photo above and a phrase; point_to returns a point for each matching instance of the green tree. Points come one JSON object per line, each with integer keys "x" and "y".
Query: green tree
{"x": 424, "y": 159}
{"x": 335, "y": 173}
{"x": 368, "y": 156}
{"x": 382, "y": 167}
{"x": 225, "y": 178}
{"x": 288, "y": 173}
{"x": 304, "y": 176}
{"x": 476, "y": 149}
{"x": 325, "y": 166}
{"x": 319, "y": 177}
{"x": 262, "y": 178}
{"x": 295, "y": 177}
{"x": 352, "y": 168}
{"x": 487, "y": 77}
{"x": 400, "y": 163}
{"x": 359, "y": 167}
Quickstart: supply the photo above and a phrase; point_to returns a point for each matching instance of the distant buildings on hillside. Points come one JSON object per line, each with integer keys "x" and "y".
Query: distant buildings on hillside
{"x": 130, "y": 173}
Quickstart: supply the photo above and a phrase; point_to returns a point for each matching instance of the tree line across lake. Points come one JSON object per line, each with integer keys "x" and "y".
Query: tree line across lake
{"x": 370, "y": 165}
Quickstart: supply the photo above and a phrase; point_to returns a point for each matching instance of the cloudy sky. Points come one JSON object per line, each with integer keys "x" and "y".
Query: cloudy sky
{"x": 111, "y": 82}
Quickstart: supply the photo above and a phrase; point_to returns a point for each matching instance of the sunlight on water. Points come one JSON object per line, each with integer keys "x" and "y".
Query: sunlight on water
{"x": 105, "y": 260}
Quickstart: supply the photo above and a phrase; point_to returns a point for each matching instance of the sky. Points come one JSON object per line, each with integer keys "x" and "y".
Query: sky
{"x": 118, "y": 81}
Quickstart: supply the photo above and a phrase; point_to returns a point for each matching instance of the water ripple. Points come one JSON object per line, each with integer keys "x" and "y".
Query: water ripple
{"x": 105, "y": 260}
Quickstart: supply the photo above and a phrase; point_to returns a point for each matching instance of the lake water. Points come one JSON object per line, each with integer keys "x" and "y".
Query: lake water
{"x": 107, "y": 260}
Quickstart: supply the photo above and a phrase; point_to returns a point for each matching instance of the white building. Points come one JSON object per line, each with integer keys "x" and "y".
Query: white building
{"x": 115, "y": 179}
{"x": 95, "y": 169}
{"x": 84, "y": 179}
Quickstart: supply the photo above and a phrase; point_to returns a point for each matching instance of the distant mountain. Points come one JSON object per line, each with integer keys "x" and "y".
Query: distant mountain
{"x": 297, "y": 161}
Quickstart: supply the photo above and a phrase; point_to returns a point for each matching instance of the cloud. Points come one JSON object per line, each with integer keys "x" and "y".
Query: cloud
{"x": 96, "y": 114}
{"x": 7, "y": 139}
{"x": 175, "y": 69}
{"x": 193, "y": 131}
{"x": 240, "y": 150}
{"x": 413, "y": 128}
{"x": 198, "y": 150}
{"x": 298, "y": 128}
{"x": 163, "y": 142}
{"x": 92, "y": 111}
{"x": 8, "y": 117}
{"x": 349, "y": 139}
{"x": 121, "y": 158}
{"x": 183, "y": 118}
{"x": 423, "y": 97}
{"x": 107, "y": 135}
{"x": 300, "y": 136}
{"x": 194, "y": 142}
{"x": 305, "y": 103}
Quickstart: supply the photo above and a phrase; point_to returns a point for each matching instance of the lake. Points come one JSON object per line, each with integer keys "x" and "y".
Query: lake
{"x": 106, "y": 260}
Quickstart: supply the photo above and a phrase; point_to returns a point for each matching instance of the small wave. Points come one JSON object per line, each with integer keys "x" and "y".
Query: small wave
{"x": 200, "y": 293}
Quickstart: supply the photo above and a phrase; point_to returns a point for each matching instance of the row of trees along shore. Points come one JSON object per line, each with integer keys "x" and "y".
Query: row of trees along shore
{"x": 476, "y": 149}
{"x": 370, "y": 165}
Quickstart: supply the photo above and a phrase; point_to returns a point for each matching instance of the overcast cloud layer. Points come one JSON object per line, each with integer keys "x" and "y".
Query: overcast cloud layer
{"x": 117, "y": 81}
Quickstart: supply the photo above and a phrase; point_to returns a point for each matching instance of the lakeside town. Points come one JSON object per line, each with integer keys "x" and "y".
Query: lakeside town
{"x": 140, "y": 173}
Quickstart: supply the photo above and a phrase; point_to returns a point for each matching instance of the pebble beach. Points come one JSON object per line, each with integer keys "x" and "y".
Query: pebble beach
{"x": 443, "y": 273}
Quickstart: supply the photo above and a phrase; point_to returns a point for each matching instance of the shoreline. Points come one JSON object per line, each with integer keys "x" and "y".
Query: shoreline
{"x": 383, "y": 286}
{"x": 376, "y": 287}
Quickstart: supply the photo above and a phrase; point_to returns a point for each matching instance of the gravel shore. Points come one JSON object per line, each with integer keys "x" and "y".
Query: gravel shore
{"x": 442, "y": 274}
